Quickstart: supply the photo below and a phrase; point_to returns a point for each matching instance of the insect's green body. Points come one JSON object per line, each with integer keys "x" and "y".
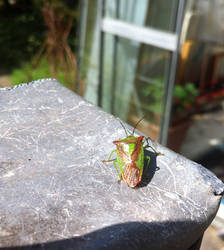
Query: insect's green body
{"x": 130, "y": 158}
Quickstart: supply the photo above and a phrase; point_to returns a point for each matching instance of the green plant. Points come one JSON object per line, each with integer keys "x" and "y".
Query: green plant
{"x": 184, "y": 98}
{"x": 27, "y": 73}
{"x": 153, "y": 93}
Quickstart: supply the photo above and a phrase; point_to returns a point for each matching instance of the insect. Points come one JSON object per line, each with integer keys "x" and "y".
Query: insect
{"x": 130, "y": 157}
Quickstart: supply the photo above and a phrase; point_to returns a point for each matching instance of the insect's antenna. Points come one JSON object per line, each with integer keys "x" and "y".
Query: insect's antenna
{"x": 137, "y": 124}
{"x": 123, "y": 127}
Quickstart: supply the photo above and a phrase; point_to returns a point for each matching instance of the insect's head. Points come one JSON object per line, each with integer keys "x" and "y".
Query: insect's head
{"x": 133, "y": 132}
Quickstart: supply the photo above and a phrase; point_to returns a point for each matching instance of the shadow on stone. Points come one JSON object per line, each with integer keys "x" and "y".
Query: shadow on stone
{"x": 149, "y": 171}
{"x": 130, "y": 235}
{"x": 213, "y": 159}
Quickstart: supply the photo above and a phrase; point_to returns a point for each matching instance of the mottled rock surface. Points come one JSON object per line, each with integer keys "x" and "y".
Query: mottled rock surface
{"x": 55, "y": 192}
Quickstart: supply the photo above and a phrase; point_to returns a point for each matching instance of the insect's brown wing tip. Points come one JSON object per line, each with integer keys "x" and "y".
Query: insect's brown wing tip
{"x": 132, "y": 175}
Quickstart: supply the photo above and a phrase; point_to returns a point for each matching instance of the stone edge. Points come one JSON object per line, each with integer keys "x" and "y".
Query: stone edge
{"x": 35, "y": 82}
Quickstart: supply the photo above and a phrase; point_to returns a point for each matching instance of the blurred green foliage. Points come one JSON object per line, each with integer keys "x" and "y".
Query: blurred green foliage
{"x": 186, "y": 93}
{"x": 27, "y": 73}
{"x": 184, "y": 96}
{"x": 23, "y": 31}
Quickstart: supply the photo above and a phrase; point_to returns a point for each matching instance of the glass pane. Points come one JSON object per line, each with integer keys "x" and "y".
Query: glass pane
{"x": 200, "y": 75}
{"x": 150, "y": 83}
{"x": 120, "y": 61}
{"x": 158, "y": 14}
{"x": 130, "y": 11}
{"x": 135, "y": 75}
{"x": 134, "y": 82}
{"x": 162, "y": 14}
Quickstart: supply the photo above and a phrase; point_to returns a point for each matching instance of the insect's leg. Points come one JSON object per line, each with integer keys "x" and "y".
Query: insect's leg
{"x": 109, "y": 158}
{"x": 114, "y": 162}
{"x": 148, "y": 146}
{"x": 118, "y": 172}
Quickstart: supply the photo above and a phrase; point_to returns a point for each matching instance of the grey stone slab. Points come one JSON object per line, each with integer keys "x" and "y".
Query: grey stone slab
{"x": 55, "y": 192}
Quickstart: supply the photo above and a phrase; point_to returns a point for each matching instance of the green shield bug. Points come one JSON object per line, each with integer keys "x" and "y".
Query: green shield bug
{"x": 130, "y": 157}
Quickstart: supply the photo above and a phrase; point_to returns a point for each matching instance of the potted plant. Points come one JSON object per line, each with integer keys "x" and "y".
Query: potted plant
{"x": 184, "y": 100}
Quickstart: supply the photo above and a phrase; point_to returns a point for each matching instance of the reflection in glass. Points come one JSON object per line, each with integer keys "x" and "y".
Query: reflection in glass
{"x": 157, "y": 14}
{"x": 138, "y": 88}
